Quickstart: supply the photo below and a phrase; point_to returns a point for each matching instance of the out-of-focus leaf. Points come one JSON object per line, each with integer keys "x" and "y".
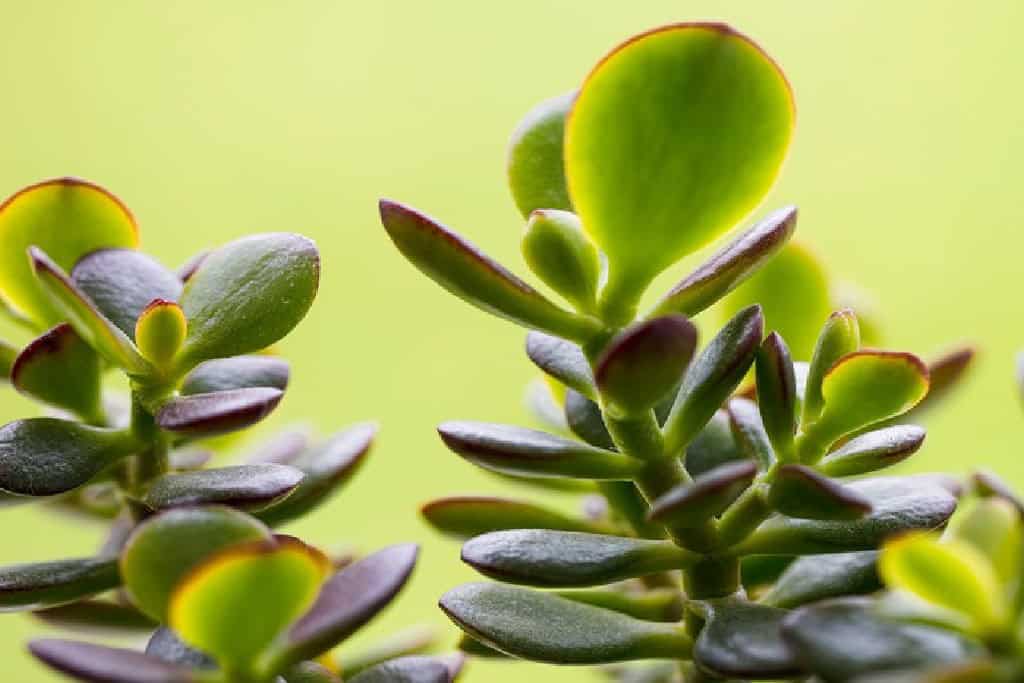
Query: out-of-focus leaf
{"x": 873, "y": 451}
{"x": 838, "y": 338}
{"x": 60, "y": 369}
{"x": 562, "y": 360}
{"x": 98, "y": 616}
{"x": 65, "y": 217}
{"x": 468, "y": 516}
{"x": 240, "y": 372}
{"x": 408, "y": 641}
{"x": 160, "y": 331}
{"x": 462, "y": 269}
{"x": 414, "y": 669}
{"x": 559, "y": 253}
{"x": 993, "y": 528}
{"x": 251, "y": 487}
{"x": 167, "y": 646}
{"x": 548, "y": 628}
{"x": 945, "y": 374}
{"x": 536, "y": 172}
{"x": 8, "y": 354}
{"x": 749, "y": 432}
{"x": 309, "y": 672}
{"x": 46, "y": 584}
{"x": 545, "y": 403}
{"x": 741, "y": 639}
{"x": 776, "y": 394}
{"x": 817, "y": 577}
{"x": 102, "y": 664}
{"x": 218, "y": 412}
{"x": 566, "y": 559}
{"x": 988, "y": 484}
{"x": 694, "y": 503}
{"x": 800, "y": 491}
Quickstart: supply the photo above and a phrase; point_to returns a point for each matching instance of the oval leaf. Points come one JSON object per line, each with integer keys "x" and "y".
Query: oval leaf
{"x": 799, "y": 491}
{"x": 742, "y": 640}
{"x": 406, "y": 670}
{"x": 60, "y": 369}
{"x": 160, "y": 331}
{"x": 714, "y": 445}
{"x": 218, "y": 412}
{"x": 562, "y": 360}
{"x": 694, "y": 503}
{"x": 776, "y": 394}
{"x": 749, "y": 432}
{"x": 536, "y": 172}
{"x": 103, "y": 664}
{"x": 817, "y": 577}
{"x": 240, "y": 372}
{"x": 873, "y": 451}
{"x": 46, "y": 584}
{"x": 584, "y": 419}
{"x": 468, "y": 516}
{"x": 559, "y": 253}
{"x": 838, "y": 338}
{"x": 251, "y": 487}
{"x": 98, "y": 616}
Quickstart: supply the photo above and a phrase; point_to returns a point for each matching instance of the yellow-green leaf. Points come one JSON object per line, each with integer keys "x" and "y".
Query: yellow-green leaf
{"x": 160, "y": 331}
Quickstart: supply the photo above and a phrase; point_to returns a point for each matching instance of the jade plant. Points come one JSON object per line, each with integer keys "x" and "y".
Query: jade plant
{"x": 720, "y": 506}
{"x": 191, "y": 554}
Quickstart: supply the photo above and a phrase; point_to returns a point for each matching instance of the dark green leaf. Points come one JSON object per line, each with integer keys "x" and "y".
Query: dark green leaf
{"x": 167, "y": 646}
{"x": 585, "y": 420}
{"x": 655, "y": 604}
{"x": 694, "y": 503}
{"x": 218, "y": 412}
{"x": 527, "y": 452}
{"x": 873, "y": 451}
{"x": 414, "y": 669}
{"x": 548, "y": 628}
{"x": 562, "y": 360}
{"x": 101, "y": 664}
{"x": 816, "y": 577}
{"x": 60, "y": 369}
{"x": 566, "y": 559}
{"x": 714, "y": 445}
{"x": 240, "y": 372}
{"x": 749, "y": 432}
{"x": 536, "y": 173}
{"x": 839, "y": 337}
{"x": 800, "y": 491}
{"x": 776, "y": 394}
{"x": 249, "y": 487}
{"x": 559, "y": 253}
{"x": 468, "y": 516}
{"x": 92, "y": 616}
{"x": 46, "y": 584}
{"x": 742, "y": 640}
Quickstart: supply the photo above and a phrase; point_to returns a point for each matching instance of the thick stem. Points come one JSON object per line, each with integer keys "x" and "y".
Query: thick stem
{"x": 152, "y": 461}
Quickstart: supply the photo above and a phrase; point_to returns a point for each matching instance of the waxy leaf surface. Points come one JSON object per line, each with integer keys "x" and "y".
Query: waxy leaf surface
{"x": 218, "y": 412}
{"x": 559, "y": 253}
{"x": 873, "y": 451}
{"x": 800, "y": 491}
{"x": 46, "y": 584}
{"x": 693, "y": 503}
{"x": 562, "y": 360}
{"x": 742, "y": 640}
{"x": 60, "y": 369}
{"x": 251, "y": 487}
{"x": 239, "y": 372}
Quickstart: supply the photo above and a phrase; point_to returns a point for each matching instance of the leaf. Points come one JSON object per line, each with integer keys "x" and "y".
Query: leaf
{"x": 641, "y": 173}
{"x": 988, "y": 484}
{"x": 166, "y": 547}
{"x": 248, "y": 295}
{"x": 536, "y": 173}
{"x": 714, "y": 445}
{"x": 558, "y": 252}
{"x": 103, "y": 664}
{"x": 92, "y": 616}
{"x": 873, "y": 451}
{"x": 777, "y": 394}
{"x": 67, "y": 218}
{"x": 463, "y": 270}
{"x": 282, "y": 448}
{"x": 544, "y": 406}
{"x": 240, "y": 372}
{"x": 47, "y": 584}
{"x": 122, "y": 283}
{"x": 838, "y": 338}
{"x": 167, "y": 646}
{"x": 800, "y": 491}
{"x": 548, "y": 628}
{"x": 741, "y": 640}
{"x": 467, "y": 516}
{"x": 8, "y": 354}
{"x": 209, "y": 604}
{"x": 945, "y": 373}
{"x": 817, "y": 577}
{"x": 730, "y": 266}
{"x": 655, "y": 604}
{"x": 249, "y": 487}
{"x": 694, "y": 503}
{"x": 407, "y": 641}
{"x": 325, "y": 468}
{"x": 644, "y": 363}
{"x": 713, "y": 376}
{"x": 309, "y": 672}
{"x": 160, "y": 331}
{"x": 562, "y": 360}
{"x": 76, "y": 307}
{"x": 585, "y": 420}
{"x": 993, "y": 527}
{"x": 60, "y": 369}
{"x": 566, "y": 559}
{"x": 415, "y": 669}
{"x": 43, "y": 456}
{"x": 748, "y": 431}
{"x": 218, "y": 412}
{"x": 898, "y": 505}
{"x": 842, "y": 639}
{"x": 349, "y": 599}
{"x": 527, "y": 452}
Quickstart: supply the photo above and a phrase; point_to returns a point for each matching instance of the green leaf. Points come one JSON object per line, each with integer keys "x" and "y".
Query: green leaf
{"x": 873, "y": 451}
{"x": 102, "y": 664}
{"x": 800, "y": 491}
{"x": 838, "y": 338}
{"x": 644, "y": 363}
{"x": 309, "y": 672}
{"x": 160, "y": 331}
{"x": 559, "y": 253}
{"x": 166, "y": 547}
{"x": 45, "y": 584}
{"x": 527, "y": 452}
{"x": 248, "y": 295}
{"x": 8, "y": 354}
{"x": 562, "y": 360}
{"x": 407, "y": 641}
{"x": 567, "y": 559}
{"x": 694, "y": 503}
{"x": 76, "y": 307}
{"x": 713, "y": 377}
{"x": 548, "y": 628}
{"x": 207, "y": 607}
{"x": 43, "y": 456}
{"x": 468, "y": 516}
{"x": 793, "y": 290}
{"x": 945, "y": 374}
{"x": 67, "y": 218}
{"x": 122, "y": 283}
{"x": 714, "y": 445}
{"x": 676, "y": 135}
{"x": 240, "y": 372}
{"x": 218, "y": 412}
{"x": 654, "y": 604}
{"x": 817, "y": 577}
{"x": 749, "y": 432}
{"x": 250, "y": 487}
{"x": 898, "y": 505}
{"x": 60, "y": 369}
{"x": 406, "y": 670}
{"x": 463, "y": 270}
{"x": 536, "y": 172}
{"x": 993, "y": 527}
{"x": 585, "y": 420}
{"x": 741, "y": 639}
{"x": 98, "y": 616}
{"x": 777, "y": 394}
{"x": 730, "y": 266}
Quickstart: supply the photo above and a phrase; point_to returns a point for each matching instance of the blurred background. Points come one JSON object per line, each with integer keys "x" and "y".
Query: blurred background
{"x": 212, "y": 120}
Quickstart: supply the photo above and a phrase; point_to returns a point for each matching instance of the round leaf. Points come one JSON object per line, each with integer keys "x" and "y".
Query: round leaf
{"x": 560, "y": 254}
{"x": 406, "y": 670}
{"x": 536, "y": 172}
{"x": 160, "y": 331}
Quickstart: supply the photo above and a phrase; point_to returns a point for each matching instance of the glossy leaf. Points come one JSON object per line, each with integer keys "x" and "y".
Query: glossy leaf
{"x": 240, "y": 372}
{"x": 43, "y": 456}
{"x": 67, "y": 218}
{"x": 749, "y": 432}
{"x": 777, "y": 394}
{"x": 527, "y": 452}
{"x": 800, "y": 491}
{"x": 166, "y": 547}
{"x": 122, "y": 283}
{"x": 838, "y": 338}
{"x": 415, "y": 669}
{"x": 742, "y": 640}
{"x": 559, "y": 253}
{"x": 713, "y": 376}
{"x": 817, "y": 577}
{"x": 248, "y": 295}
{"x": 694, "y": 503}
{"x": 873, "y": 451}
{"x": 209, "y": 604}
{"x": 160, "y": 331}
{"x": 647, "y": 186}
{"x": 97, "y": 616}
{"x": 218, "y": 412}
{"x": 536, "y": 172}
{"x": 250, "y": 487}
{"x": 468, "y": 516}
{"x": 730, "y": 266}
{"x": 463, "y": 270}
{"x": 548, "y": 628}
{"x": 60, "y": 369}
{"x": 565, "y": 559}
{"x": 562, "y": 360}
{"x": 644, "y": 363}
{"x": 46, "y": 584}
{"x": 101, "y": 664}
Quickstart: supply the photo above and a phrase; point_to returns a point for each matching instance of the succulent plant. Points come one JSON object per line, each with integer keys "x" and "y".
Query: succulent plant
{"x": 715, "y": 508}
{"x": 191, "y": 551}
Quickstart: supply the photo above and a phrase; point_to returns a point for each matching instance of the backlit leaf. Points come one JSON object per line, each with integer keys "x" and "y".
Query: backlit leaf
{"x": 536, "y": 172}
{"x": 60, "y": 369}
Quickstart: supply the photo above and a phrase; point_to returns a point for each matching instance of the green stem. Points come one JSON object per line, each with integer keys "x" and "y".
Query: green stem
{"x": 743, "y": 516}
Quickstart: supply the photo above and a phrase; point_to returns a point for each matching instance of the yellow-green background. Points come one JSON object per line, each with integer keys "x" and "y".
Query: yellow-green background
{"x": 213, "y": 119}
